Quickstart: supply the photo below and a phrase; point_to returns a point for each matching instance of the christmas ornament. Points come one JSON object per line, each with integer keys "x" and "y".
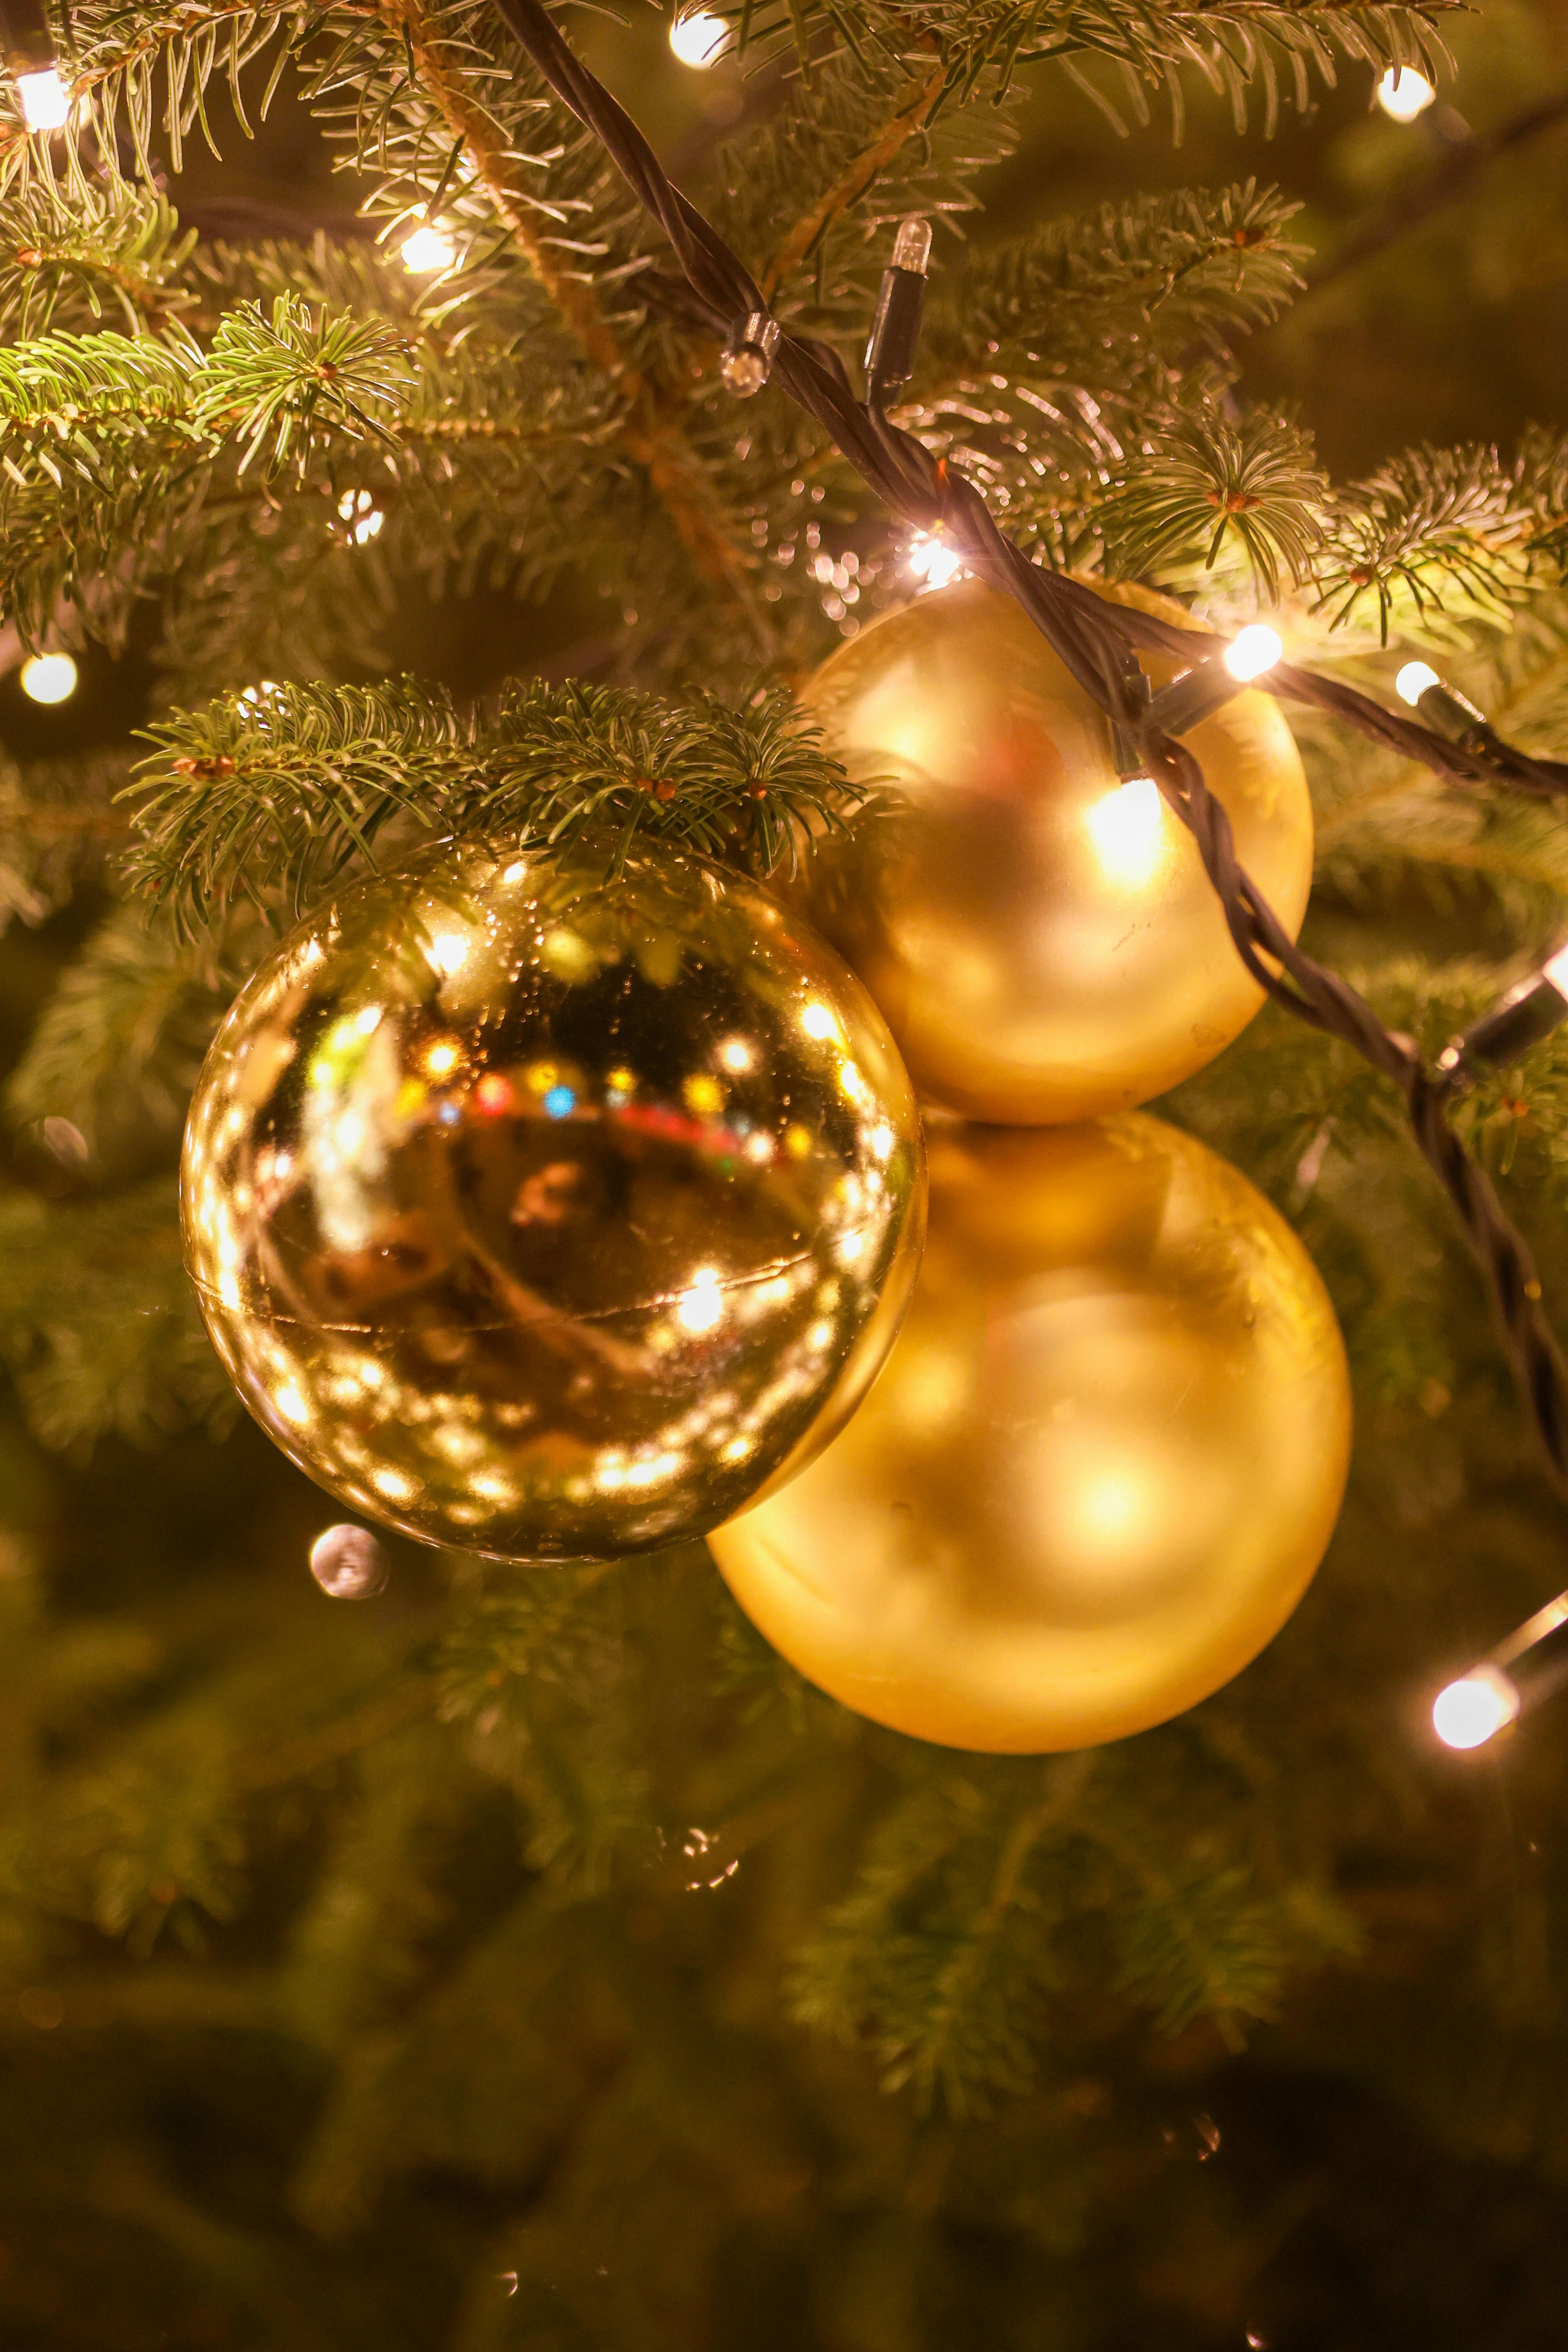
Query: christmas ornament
{"x": 550, "y": 1214}
{"x": 347, "y": 1563}
{"x": 1040, "y": 934}
{"x": 1099, "y": 1468}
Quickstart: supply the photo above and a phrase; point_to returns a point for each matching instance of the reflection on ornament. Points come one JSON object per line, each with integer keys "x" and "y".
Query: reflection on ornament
{"x": 1099, "y": 1468}
{"x": 347, "y": 1563}
{"x": 552, "y": 1251}
{"x": 1041, "y": 934}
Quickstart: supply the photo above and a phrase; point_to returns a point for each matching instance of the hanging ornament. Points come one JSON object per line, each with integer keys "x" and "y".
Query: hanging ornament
{"x": 1038, "y": 930}
{"x": 1099, "y": 1468}
{"x": 548, "y": 1215}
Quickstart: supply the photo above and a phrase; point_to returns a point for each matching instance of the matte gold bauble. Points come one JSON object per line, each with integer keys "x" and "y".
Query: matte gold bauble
{"x": 1099, "y": 1468}
{"x": 1042, "y": 938}
{"x": 552, "y": 1215}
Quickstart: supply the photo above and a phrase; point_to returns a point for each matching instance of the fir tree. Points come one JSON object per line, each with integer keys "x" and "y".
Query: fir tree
{"x": 532, "y": 1958}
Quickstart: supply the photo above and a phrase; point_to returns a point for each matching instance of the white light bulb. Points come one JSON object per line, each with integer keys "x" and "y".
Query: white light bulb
{"x": 44, "y": 100}
{"x": 1255, "y": 650}
{"x": 428, "y": 250}
{"x": 1402, "y": 93}
{"x": 1474, "y": 1709}
{"x": 699, "y": 39}
{"x": 1555, "y": 969}
{"x": 49, "y": 677}
{"x": 1414, "y": 680}
{"x": 932, "y": 560}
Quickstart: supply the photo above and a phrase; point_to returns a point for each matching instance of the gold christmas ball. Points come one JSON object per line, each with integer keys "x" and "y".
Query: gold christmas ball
{"x": 1098, "y": 1470}
{"x": 1042, "y": 938}
{"x": 552, "y": 1215}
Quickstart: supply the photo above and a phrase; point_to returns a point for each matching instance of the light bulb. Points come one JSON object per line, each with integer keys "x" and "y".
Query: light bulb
{"x": 49, "y": 677}
{"x": 1474, "y": 1709}
{"x": 428, "y": 250}
{"x": 44, "y": 99}
{"x": 932, "y": 560}
{"x": 698, "y": 40}
{"x": 1255, "y": 650}
{"x": 1402, "y": 93}
{"x": 1555, "y": 969}
{"x": 1414, "y": 680}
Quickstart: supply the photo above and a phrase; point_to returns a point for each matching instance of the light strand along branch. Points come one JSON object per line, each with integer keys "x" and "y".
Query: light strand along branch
{"x": 1097, "y": 641}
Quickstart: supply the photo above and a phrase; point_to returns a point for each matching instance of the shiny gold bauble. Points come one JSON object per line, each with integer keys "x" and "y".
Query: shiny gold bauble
{"x": 1099, "y": 1468}
{"x": 1042, "y": 938}
{"x": 547, "y": 1214}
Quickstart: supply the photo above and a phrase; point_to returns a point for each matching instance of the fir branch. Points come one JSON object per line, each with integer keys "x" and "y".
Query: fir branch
{"x": 280, "y": 381}
{"x": 1232, "y": 42}
{"x": 119, "y": 1045}
{"x": 63, "y": 257}
{"x": 1191, "y": 488}
{"x": 292, "y": 783}
{"x": 1161, "y": 270}
{"x": 97, "y": 1322}
{"x": 854, "y": 182}
{"x": 1430, "y": 529}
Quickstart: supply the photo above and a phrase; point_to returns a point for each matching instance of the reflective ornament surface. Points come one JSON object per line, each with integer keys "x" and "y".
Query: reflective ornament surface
{"x": 1098, "y": 1469}
{"x": 347, "y": 1563}
{"x": 1042, "y": 937}
{"x": 548, "y": 1215}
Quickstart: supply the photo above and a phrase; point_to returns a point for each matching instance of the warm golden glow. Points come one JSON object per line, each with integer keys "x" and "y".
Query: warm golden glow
{"x": 1474, "y": 1709}
{"x": 491, "y": 1285}
{"x": 1126, "y": 828}
{"x": 1100, "y": 1464}
{"x": 1043, "y": 940}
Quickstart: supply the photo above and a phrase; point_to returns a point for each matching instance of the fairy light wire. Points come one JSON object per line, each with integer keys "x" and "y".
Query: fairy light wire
{"x": 1093, "y": 639}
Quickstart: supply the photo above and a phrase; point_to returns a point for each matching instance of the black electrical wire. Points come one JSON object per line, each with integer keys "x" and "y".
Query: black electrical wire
{"x": 1094, "y": 639}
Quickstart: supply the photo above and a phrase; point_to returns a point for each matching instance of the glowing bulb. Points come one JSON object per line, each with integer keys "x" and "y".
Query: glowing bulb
{"x": 1126, "y": 827}
{"x": 1402, "y": 93}
{"x": 736, "y": 1054}
{"x": 1414, "y": 680}
{"x": 817, "y": 1021}
{"x": 428, "y": 250}
{"x": 49, "y": 677}
{"x": 704, "y": 1304}
{"x": 1474, "y": 1709}
{"x": 1555, "y": 969}
{"x": 443, "y": 1057}
{"x": 44, "y": 100}
{"x": 450, "y": 952}
{"x": 699, "y": 39}
{"x": 932, "y": 560}
{"x": 1257, "y": 649}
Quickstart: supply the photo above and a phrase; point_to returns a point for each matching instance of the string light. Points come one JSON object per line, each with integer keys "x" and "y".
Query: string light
{"x": 1402, "y": 93}
{"x": 29, "y": 52}
{"x": 44, "y": 100}
{"x": 1523, "y": 1017}
{"x": 1447, "y": 712}
{"x": 699, "y": 39}
{"x": 428, "y": 250}
{"x": 747, "y": 357}
{"x": 932, "y": 560}
{"x": 1200, "y": 691}
{"x": 49, "y": 677}
{"x": 896, "y": 328}
{"x": 1520, "y": 1673}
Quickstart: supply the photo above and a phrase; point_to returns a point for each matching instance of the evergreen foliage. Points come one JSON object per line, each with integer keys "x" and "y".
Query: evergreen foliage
{"x": 733, "y": 2018}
